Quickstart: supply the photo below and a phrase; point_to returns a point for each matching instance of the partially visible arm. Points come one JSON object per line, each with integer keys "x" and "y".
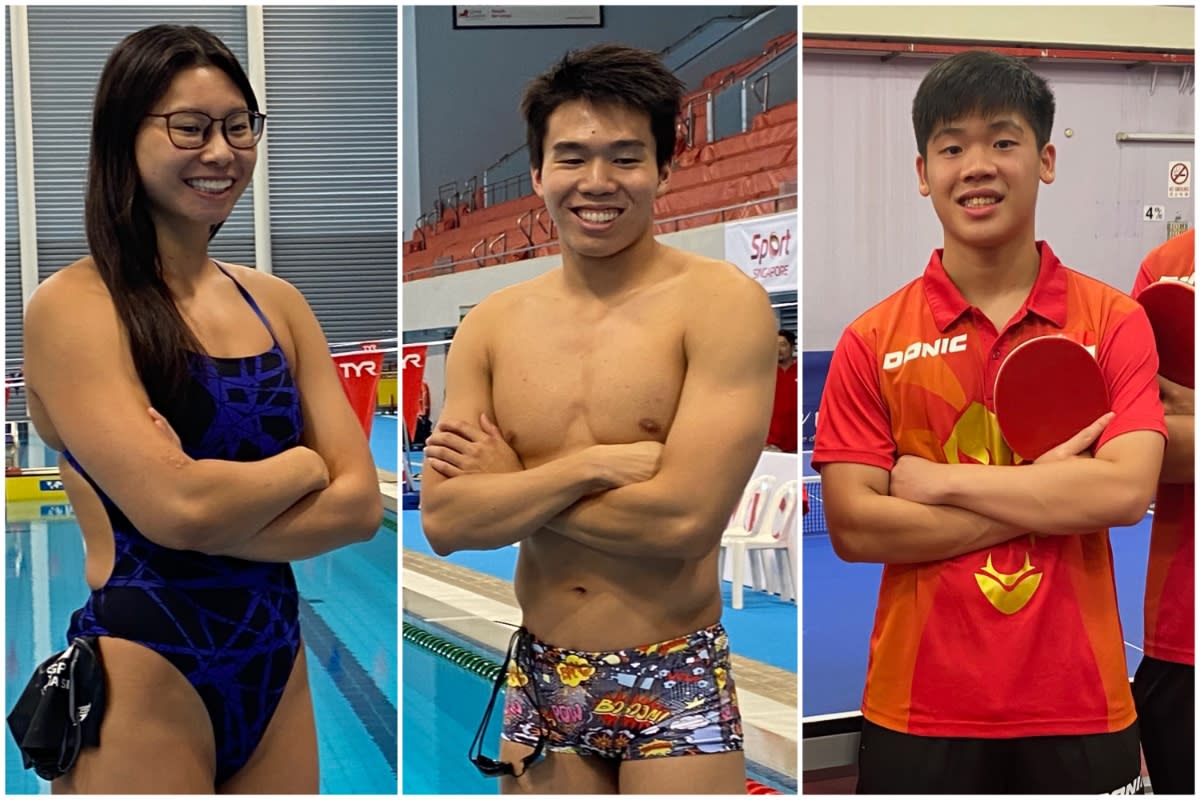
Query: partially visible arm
{"x": 856, "y": 449}
{"x": 1178, "y": 465}
{"x": 1062, "y": 497}
{"x": 716, "y": 438}
{"x": 484, "y": 511}
{"x": 912, "y": 528}
{"x": 350, "y": 508}
{"x": 1145, "y": 275}
{"x": 79, "y": 371}
{"x": 866, "y": 524}
{"x": 1080, "y": 494}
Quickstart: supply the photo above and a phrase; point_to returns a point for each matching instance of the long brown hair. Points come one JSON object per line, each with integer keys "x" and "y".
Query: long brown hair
{"x": 120, "y": 231}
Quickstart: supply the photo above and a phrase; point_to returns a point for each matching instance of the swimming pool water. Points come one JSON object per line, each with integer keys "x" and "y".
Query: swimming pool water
{"x": 348, "y": 619}
{"x": 442, "y": 708}
{"x": 384, "y": 433}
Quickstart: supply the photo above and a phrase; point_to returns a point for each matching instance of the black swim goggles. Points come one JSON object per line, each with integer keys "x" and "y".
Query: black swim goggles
{"x": 490, "y": 767}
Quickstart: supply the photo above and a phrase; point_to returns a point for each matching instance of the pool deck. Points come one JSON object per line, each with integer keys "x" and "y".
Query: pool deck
{"x": 476, "y": 605}
{"x": 387, "y": 488}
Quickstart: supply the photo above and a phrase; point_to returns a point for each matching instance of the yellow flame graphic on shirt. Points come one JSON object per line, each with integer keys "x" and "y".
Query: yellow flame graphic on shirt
{"x": 976, "y": 438}
{"x": 1008, "y": 592}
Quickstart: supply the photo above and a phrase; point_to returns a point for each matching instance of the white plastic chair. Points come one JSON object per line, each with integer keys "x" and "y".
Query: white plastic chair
{"x": 783, "y": 509}
{"x": 750, "y": 516}
{"x": 768, "y": 538}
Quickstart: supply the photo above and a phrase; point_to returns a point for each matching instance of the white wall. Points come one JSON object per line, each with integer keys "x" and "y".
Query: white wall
{"x": 866, "y": 231}
{"x": 1155, "y": 27}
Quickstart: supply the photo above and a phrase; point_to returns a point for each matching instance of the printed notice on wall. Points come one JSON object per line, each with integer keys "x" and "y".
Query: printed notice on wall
{"x": 1179, "y": 179}
{"x": 528, "y": 16}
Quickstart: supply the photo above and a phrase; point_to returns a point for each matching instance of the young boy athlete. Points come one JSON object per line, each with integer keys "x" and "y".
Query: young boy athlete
{"x": 634, "y": 384}
{"x": 1164, "y": 687}
{"x": 997, "y": 662}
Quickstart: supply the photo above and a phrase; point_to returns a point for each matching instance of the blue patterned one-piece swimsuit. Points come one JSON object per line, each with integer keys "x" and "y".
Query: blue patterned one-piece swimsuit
{"x": 231, "y": 626}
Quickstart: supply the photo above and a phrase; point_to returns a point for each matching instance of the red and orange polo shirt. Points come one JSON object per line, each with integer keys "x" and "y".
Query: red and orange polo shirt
{"x": 1019, "y": 639}
{"x": 1170, "y": 575}
{"x": 782, "y": 432}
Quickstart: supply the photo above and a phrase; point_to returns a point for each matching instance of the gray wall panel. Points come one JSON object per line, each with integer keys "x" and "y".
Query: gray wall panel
{"x": 67, "y": 50}
{"x": 331, "y": 97}
{"x": 15, "y": 407}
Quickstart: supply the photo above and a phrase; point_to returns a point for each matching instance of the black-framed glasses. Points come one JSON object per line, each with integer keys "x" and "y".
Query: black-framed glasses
{"x": 190, "y": 130}
{"x": 490, "y": 767}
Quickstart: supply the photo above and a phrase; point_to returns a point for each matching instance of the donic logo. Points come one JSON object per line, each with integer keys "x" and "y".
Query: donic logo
{"x": 1008, "y": 593}
{"x": 940, "y": 347}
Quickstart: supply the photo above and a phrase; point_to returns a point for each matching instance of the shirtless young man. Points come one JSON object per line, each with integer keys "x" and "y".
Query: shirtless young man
{"x": 631, "y": 392}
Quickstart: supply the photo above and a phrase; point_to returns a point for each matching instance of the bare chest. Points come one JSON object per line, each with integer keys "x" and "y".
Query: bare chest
{"x": 561, "y": 382}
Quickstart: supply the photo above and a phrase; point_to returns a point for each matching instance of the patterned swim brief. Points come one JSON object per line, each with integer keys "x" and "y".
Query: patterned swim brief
{"x": 672, "y": 698}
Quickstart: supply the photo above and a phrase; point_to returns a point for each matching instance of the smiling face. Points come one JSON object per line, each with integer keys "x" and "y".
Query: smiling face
{"x": 982, "y": 174}
{"x": 193, "y": 186}
{"x": 599, "y": 178}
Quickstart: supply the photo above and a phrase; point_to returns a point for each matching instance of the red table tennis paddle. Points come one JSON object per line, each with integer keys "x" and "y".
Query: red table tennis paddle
{"x": 1048, "y": 389}
{"x": 1171, "y": 307}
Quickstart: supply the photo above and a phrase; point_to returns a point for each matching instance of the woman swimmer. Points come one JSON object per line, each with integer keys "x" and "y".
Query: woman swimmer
{"x": 190, "y": 517}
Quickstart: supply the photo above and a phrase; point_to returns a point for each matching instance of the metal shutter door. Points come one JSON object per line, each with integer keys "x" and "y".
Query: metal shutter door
{"x": 786, "y": 313}
{"x": 331, "y": 98}
{"x": 13, "y": 309}
{"x": 67, "y": 50}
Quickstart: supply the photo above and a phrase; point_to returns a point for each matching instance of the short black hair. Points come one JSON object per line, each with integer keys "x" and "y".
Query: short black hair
{"x": 605, "y": 74}
{"x": 789, "y": 335}
{"x": 981, "y": 82}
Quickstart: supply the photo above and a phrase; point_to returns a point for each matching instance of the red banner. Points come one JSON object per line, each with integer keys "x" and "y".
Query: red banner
{"x": 412, "y": 365}
{"x": 360, "y": 374}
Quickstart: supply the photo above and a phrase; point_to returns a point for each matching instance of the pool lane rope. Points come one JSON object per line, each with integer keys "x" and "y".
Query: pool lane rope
{"x": 456, "y": 654}
{"x": 489, "y": 670}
